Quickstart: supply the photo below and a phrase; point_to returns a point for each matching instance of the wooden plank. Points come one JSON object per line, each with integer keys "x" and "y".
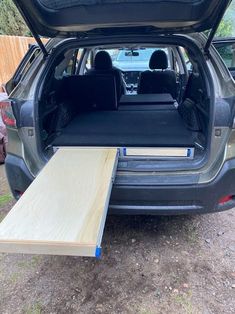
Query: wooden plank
{"x": 64, "y": 210}
{"x": 160, "y": 152}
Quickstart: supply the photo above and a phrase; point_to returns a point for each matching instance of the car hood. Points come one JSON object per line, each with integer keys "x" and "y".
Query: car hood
{"x": 61, "y": 18}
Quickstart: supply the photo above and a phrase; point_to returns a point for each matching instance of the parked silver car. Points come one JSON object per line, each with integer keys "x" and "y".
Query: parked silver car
{"x": 180, "y": 119}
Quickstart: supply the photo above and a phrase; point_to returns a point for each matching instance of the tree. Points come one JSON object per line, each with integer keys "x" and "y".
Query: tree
{"x": 11, "y": 22}
{"x": 225, "y": 29}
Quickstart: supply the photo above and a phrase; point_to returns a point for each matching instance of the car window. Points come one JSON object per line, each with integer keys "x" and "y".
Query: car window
{"x": 227, "y": 52}
{"x": 23, "y": 67}
{"x": 133, "y": 59}
{"x": 89, "y": 61}
{"x": 31, "y": 58}
{"x": 68, "y": 66}
{"x": 187, "y": 59}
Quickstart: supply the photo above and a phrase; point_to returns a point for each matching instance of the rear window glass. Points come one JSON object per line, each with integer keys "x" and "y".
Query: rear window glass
{"x": 227, "y": 52}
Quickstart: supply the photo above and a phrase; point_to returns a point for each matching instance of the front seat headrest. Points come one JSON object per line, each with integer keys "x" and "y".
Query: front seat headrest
{"x": 158, "y": 60}
{"x": 103, "y": 61}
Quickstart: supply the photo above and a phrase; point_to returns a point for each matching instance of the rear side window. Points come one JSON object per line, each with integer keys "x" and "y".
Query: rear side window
{"x": 23, "y": 68}
{"x": 70, "y": 63}
{"x": 30, "y": 60}
{"x": 227, "y": 52}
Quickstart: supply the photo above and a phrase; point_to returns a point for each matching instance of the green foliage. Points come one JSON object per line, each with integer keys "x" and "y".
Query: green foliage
{"x": 11, "y": 22}
{"x": 225, "y": 29}
{"x": 4, "y": 199}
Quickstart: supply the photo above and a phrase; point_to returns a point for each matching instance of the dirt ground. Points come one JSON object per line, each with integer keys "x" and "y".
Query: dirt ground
{"x": 149, "y": 265}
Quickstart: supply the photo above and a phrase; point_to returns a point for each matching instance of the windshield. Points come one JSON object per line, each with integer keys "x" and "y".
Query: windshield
{"x": 135, "y": 55}
{"x": 133, "y": 59}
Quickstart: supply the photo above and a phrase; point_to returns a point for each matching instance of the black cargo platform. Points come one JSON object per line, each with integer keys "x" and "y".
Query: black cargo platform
{"x": 127, "y": 128}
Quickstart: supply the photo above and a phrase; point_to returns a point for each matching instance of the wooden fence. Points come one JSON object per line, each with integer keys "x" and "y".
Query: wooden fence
{"x": 12, "y": 50}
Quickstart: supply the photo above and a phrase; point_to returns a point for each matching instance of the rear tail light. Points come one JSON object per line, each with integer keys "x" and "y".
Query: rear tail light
{"x": 7, "y": 113}
{"x": 225, "y": 199}
{"x": 18, "y": 194}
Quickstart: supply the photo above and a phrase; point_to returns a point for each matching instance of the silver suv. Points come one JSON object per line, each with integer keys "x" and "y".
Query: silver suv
{"x": 174, "y": 130}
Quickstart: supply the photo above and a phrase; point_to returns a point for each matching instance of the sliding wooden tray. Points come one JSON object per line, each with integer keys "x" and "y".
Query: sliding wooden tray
{"x": 177, "y": 152}
{"x": 63, "y": 211}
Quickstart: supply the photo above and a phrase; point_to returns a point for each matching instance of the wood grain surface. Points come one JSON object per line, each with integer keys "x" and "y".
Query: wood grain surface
{"x": 64, "y": 210}
{"x": 158, "y": 152}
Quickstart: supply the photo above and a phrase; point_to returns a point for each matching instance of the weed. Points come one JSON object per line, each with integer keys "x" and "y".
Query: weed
{"x": 185, "y": 301}
{"x": 14, "y": 277}
{"x": 2, "y": 216}
{"x": 4, "y": 199}
{"x": 34, "y": 309}
{"x": 191, "y": 233}
{"x": 36, "y": 260}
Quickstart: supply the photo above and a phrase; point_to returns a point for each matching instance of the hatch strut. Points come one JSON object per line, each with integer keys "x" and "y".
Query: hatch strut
{"x": 40, "y": 43}
{"x": 35, "y": 35}
{"x": 222, "y": 10}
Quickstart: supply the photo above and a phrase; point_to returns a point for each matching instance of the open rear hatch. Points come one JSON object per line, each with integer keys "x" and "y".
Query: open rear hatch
{"x": 69, "y": 18}
{"x": 63, "y": 211}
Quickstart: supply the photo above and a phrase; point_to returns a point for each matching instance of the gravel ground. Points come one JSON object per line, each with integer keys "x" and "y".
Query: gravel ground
{"x": 149, "y": 265}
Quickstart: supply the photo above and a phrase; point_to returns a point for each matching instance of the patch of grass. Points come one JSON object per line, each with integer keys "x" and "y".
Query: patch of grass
{"x": 185, "y": 301}
{"x": 34, "y": 309}
{"x": 4, "y": 199}
{"x": 2, "y": 216}
{"x": 145, "y": 312}
{"x": 33, "y": 262}
{"x": 14, "y": 277}
{"x": 192, "y": 236}
{"x": 36, "y": 259}
{"x": 23, "y": 264}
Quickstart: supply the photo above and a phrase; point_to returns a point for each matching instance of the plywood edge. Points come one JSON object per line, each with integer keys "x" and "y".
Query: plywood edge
{"x": 101, "y": 229}
{"x": 49, "y": 248}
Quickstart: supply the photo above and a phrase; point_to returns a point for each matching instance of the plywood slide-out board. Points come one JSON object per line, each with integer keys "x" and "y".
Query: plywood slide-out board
{"x": 159, "y": 152}
{"x": 63, "y": 211}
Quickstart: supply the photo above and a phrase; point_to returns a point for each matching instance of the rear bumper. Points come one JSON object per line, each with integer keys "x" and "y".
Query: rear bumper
{"x": 18, "y": 175}
{"x": 157, "y": 200}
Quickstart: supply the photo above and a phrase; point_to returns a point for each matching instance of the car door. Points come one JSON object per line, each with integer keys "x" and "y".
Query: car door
{"x": 23, "y": 67}
{"x": 226, "y": 49}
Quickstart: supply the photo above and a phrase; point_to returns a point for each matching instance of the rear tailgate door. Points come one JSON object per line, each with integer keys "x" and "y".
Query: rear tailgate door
{"x": 68, "y": 18}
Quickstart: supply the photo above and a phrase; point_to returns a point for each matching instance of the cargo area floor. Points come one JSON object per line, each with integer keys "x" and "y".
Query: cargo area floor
{"x": 126, "y": 128}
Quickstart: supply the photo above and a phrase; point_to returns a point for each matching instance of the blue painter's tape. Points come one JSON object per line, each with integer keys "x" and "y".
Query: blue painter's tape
{"x": 98, "y": 252}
